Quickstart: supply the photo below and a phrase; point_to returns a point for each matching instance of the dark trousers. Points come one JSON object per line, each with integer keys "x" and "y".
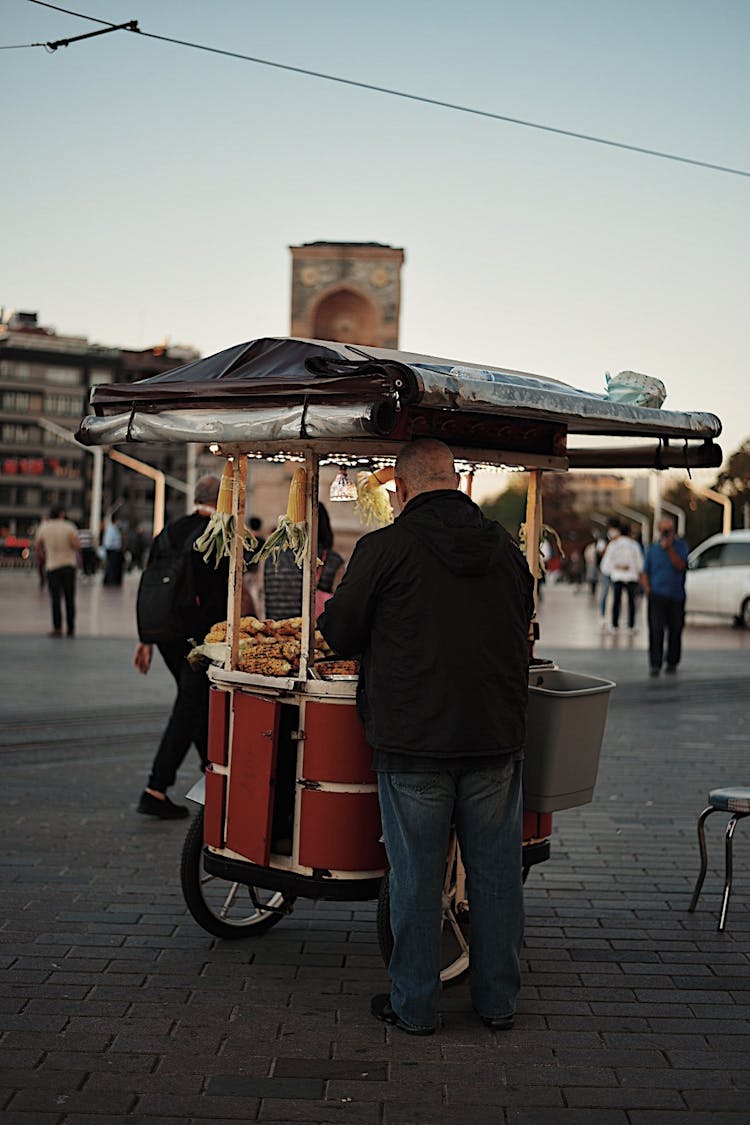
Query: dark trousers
{"x": 89, "y": 560}
{"x": 665, "y": 615}
{"x": 188, "y": 722}
{"x": 61, "y": 583}
{"x": 631, "y": 589}
{"x": 113, "y": 569}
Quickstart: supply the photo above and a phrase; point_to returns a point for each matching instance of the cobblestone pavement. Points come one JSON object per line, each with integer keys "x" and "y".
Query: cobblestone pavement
{"x": 115, "y": 1006}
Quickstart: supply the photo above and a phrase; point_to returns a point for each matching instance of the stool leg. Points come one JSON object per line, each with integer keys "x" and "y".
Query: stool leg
{"x": 704, "y": 856}
{"x": 727, "y": 872}
{"x": 728, "y": 868}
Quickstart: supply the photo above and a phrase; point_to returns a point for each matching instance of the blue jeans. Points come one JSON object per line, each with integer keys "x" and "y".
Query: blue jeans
{"x": 417, "y": 811}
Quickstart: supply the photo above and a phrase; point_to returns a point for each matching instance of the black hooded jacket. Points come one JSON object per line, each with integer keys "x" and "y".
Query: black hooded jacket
{"x": 437, "y": 607}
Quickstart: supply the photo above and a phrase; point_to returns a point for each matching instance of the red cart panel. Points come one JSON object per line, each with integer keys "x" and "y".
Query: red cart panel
{"x": 536, "y": 826}
{"x": 214, "y": 818}
{"x": 218, "y": 726}
{"x": 335, "y": 746}
{"x": 255, "y": 736}
{"x": 340, "y": 831}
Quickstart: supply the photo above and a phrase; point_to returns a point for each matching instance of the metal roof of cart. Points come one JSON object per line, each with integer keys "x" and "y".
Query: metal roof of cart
{"x": 291, "y": 388}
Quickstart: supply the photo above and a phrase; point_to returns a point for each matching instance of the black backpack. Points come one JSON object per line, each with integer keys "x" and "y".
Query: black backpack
{"x": 167, "y": 603}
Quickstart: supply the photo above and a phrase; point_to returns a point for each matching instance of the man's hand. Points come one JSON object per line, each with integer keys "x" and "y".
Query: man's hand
{"x": 142, "y": 658}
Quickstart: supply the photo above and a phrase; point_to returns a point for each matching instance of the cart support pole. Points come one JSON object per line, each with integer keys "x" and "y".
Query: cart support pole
{"x": 533, "y": 539}
{"x": 534, "y": 523}
{"x": 236, "y": 561}
{"x": 309, "y": 578}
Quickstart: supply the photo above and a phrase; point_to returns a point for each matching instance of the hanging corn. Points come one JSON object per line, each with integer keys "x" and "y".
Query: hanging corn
{"x": 291, "y": 530}
{"x": 373, "y": 504}
{"x": 221, "y": 528}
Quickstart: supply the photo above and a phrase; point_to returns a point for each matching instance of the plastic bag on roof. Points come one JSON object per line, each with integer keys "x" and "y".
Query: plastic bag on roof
{"x": 635, "y": 389}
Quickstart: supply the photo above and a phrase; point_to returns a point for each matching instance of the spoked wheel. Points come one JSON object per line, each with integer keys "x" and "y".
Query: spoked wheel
{"x": 455, "y": 921}
{"x": 227, "y": 910}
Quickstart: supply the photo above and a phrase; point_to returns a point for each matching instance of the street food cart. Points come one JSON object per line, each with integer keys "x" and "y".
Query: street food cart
{"x": 297, "y": 737}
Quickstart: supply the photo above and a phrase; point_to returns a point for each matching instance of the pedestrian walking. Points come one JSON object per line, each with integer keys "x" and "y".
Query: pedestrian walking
{"x": 663, "y": 581}
{"x": 88, "y": 551}
{"x": 612, "y": 533}
{"x": 188, "y": 722}
{"x": 623, "y": 564}
{"x": 447, "y": 729}
{"x": 112, "y": 544}
{"x": 56, "y": 546}
{"x": 592, "y": 567}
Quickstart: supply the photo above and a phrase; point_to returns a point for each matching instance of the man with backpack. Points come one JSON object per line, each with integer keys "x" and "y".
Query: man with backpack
{"x": 180, "y": 597}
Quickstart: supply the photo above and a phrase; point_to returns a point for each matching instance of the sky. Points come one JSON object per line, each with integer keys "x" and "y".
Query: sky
{"x": 152, "y": 191}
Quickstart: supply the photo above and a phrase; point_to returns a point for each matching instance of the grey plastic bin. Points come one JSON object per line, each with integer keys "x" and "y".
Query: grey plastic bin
{"x": 566, "y": 719}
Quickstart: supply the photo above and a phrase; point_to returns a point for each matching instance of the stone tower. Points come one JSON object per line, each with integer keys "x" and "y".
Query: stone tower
{"x": 347, "y": 291}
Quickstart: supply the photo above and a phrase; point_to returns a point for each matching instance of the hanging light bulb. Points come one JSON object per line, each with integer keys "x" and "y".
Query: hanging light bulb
{"x": 342, "y": 488}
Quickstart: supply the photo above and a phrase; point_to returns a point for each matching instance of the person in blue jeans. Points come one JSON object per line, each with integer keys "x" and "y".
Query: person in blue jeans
{"x": 663, "y": 580}
{"x": 437, "y": 608}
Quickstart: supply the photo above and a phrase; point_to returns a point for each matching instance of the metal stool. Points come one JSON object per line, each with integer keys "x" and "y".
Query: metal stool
{"x": 737, "y": 802}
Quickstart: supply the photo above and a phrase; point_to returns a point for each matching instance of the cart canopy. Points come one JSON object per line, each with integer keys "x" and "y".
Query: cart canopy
{"x": 286, "y": 389}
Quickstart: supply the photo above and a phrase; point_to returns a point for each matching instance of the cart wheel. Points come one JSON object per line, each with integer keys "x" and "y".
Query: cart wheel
{"x": 227, "y": 910}
{"x": 455, "y": 923}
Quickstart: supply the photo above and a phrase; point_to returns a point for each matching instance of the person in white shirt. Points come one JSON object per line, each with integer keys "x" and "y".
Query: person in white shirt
{"x": 57, "y": 544}
{"x": 623, "y": 564}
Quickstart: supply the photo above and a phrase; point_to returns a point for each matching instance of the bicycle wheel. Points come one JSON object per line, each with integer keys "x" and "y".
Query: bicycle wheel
{"x": 224, "y": 909}
{"x": 455, "y": 922}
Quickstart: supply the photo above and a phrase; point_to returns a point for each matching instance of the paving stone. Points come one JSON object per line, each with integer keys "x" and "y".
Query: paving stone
{"x": 575, "y": 1116}
{"x": 560, "y": 1076}
{"x": 41, "y": 1100}
{"x": 619, "y": 1098}
{"x": 403, "y": 1113}
{"x": 159, "y": 1107}
{"x": 733, "y": 1101}
{"x": 361, "y": 1113}
{"x": 665, "y": 1117}
{"x": 330, "y": 1068}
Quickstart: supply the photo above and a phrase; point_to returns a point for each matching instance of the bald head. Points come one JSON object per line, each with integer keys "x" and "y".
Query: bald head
{"x": 425, "y": 465}
{"x": 207, "y": 491}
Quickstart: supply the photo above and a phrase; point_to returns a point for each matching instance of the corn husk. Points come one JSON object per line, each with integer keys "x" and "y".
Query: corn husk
{"x": 288, "y": 536}
{"x": 291, "y": 532}
{"x": 216, "y": 541}
{"x": 373, "y": 505}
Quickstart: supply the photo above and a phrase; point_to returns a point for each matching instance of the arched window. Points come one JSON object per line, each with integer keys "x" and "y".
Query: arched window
{"x": 347, "y": 317}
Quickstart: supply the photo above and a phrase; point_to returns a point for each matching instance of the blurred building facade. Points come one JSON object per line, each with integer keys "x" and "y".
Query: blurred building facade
{"x": 46, "y": 376}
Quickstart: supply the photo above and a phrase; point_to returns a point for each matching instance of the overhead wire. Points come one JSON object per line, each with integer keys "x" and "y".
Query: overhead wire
{"x": 420, "y": 98}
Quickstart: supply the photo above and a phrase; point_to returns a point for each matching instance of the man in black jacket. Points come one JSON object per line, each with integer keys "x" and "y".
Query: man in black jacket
{"x": 188, "y": 722}
{"x": 437, "y": 606}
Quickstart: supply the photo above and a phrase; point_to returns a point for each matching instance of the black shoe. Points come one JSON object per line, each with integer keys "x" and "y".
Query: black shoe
{"x": 497, "y": 1023}
{"x": 671, "y": 669}
{"x": 380, "y": 1006}
{"x": 654, "y": 671}
{"x": 165, "y": 810}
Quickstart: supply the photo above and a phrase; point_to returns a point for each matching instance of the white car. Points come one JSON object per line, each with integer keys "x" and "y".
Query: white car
{"x": 718, "y": 579}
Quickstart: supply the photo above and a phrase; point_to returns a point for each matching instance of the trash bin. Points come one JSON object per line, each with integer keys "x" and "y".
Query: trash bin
{"x": 566, "y": 719}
